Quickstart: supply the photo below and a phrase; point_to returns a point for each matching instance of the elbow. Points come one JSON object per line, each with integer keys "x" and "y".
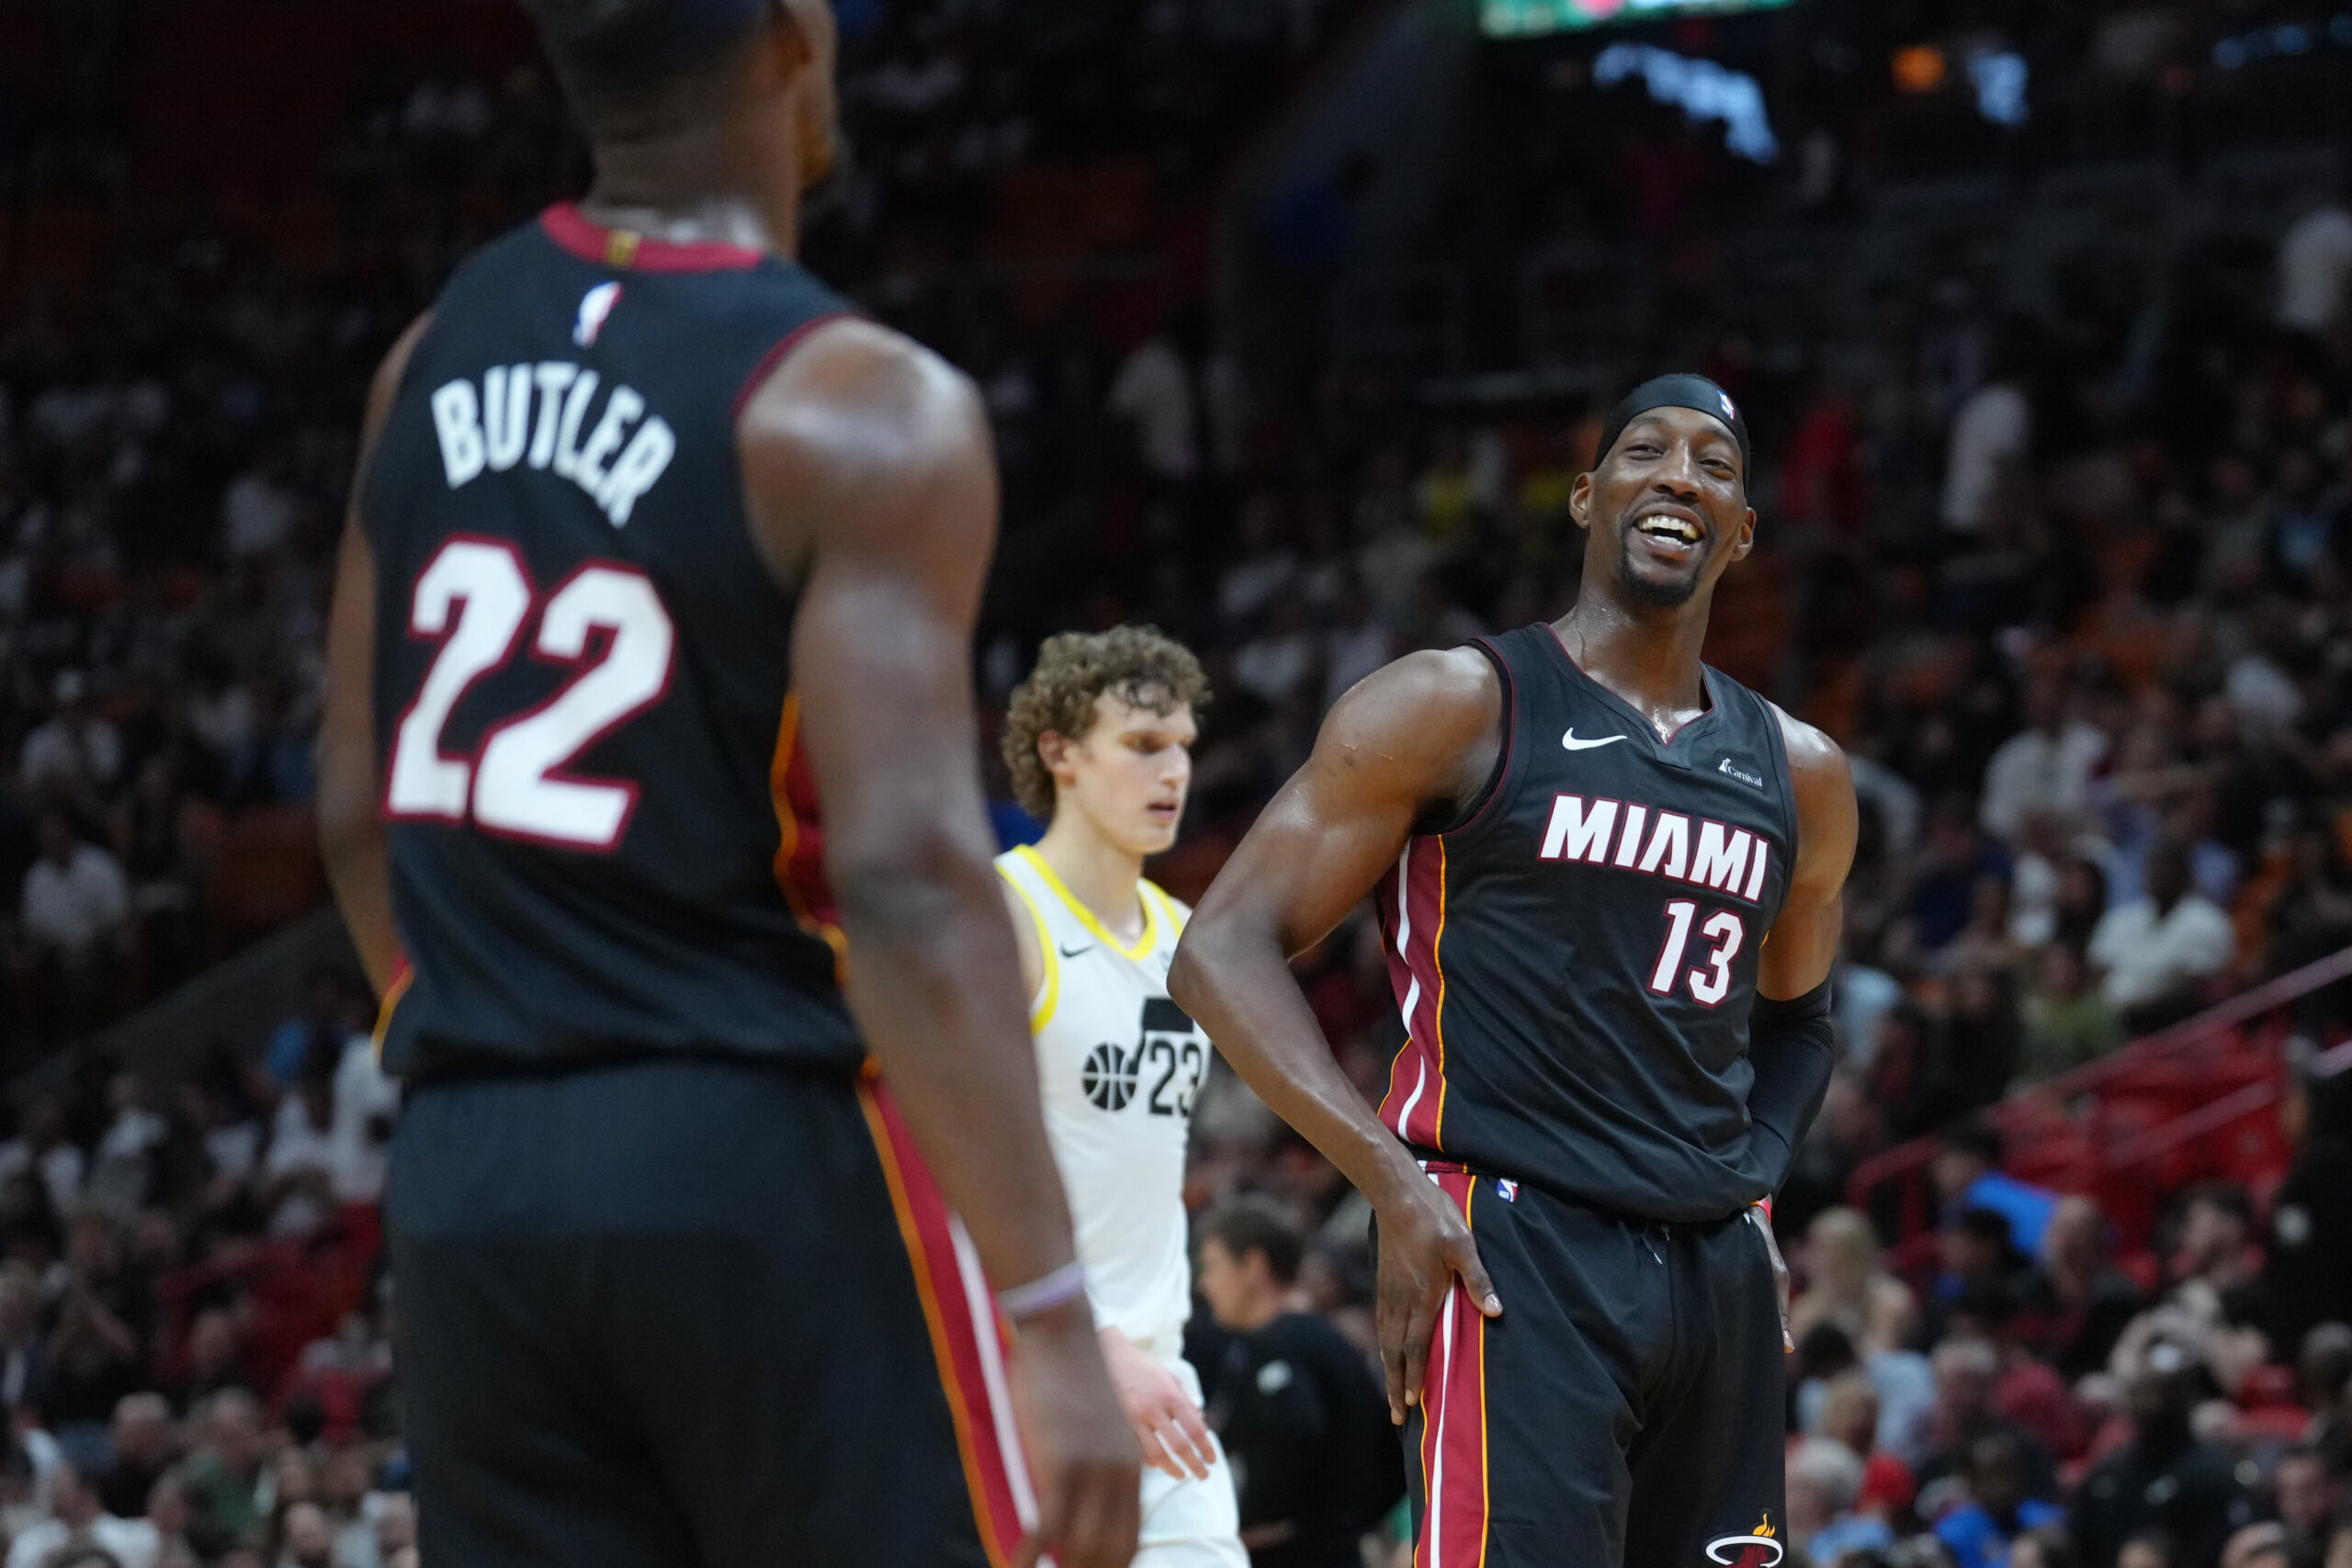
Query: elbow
{"x": 904, "y": 887}
{"x": 1200, "y": 956}
{"x": 1186, "y": 985}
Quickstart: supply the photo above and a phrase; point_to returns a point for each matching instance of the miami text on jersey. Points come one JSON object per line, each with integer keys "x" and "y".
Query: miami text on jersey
{"x": 493, "y": 428}
{"x": 1729, "y": 860}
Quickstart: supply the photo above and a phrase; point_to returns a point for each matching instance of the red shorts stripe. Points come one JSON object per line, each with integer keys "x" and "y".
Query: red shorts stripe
{"x": 966, "y": 1335}
{"x": 1412, "y": 917}
{"x": 1454, "y": 1424}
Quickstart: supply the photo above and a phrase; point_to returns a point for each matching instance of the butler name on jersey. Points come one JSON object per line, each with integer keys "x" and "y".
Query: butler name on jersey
{"x": 1119, "y": 1065}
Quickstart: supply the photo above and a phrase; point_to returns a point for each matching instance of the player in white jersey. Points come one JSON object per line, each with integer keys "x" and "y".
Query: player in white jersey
{"x": 1098, "y": 742}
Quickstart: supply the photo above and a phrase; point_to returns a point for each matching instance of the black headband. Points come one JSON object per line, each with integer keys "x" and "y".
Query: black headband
{"x": 640, "y": 40}
{"x": 1678, "y": 391}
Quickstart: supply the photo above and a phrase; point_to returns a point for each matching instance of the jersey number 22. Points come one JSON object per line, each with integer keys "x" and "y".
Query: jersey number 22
{"x": 476, "y": 597}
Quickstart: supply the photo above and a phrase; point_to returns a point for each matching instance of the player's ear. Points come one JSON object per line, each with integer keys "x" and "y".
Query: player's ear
{"x": 1581, "y": 501}
{"x": 1746, "y": 540}
{"x": 1053, "y": 746}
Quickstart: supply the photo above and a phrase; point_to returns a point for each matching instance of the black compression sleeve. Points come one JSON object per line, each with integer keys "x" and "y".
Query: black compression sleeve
{"x": 1790, "y": 1044}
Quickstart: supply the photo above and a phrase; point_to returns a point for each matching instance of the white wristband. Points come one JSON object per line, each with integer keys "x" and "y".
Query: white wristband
{"x": 1063, "y": 1285}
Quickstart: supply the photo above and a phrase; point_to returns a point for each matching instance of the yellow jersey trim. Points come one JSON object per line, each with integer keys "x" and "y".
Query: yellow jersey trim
{"x": 1152, "y": 917}
{"x": 1049, "y": 984}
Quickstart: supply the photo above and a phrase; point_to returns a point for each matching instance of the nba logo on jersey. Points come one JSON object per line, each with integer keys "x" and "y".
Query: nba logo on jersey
{"x": 1506, "y": 1189}
{"x": 595, "y": 306}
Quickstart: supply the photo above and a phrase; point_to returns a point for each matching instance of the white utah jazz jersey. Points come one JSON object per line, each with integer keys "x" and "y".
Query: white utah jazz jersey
{"x": 1119, "y": 1064}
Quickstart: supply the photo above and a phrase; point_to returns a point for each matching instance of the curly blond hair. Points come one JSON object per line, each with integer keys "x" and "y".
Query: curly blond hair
{"x": 1141, "y": 665}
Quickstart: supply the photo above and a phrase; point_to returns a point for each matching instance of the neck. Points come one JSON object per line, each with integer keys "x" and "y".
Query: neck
{"x": 1649, "y": 657}
{"x": 1098, "y": 873}
{"x": 708, "y": 184}
{"x": 1260, "y": 1311}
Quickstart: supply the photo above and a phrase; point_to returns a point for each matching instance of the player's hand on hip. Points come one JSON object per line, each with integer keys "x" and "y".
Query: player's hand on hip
{"x": 1425, "y": 1246}
{"x": 1081, "y": 1452}
{"x": 1761, "y": 1217}
{"x": 1160, "y": 1409}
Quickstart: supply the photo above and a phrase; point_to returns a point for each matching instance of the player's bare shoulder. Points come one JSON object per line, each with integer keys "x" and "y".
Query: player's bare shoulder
{"x": 1828, "y": 818}
{"x": 1430, "y": 723}
{"x": 858, "y": 418}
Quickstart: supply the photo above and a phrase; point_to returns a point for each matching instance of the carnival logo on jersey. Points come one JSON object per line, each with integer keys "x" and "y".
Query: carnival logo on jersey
{"x": 1740, "y": 774}
{"x": 595, "y": 306}
{"x": 1760, "y": 1547}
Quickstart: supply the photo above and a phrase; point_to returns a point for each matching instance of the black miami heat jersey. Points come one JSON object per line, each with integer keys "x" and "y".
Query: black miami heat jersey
{"x": 604, "y": 838}
{"x": 1575, "y": 963}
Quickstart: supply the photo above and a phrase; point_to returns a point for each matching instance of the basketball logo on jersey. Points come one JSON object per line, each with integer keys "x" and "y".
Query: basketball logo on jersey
{"x": 595, "y": 306}
{"x": 1109, "y": 1077}
{"x": 1760, "y": 1547}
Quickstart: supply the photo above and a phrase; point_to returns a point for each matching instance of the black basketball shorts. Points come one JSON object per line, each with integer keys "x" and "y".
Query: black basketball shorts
{"x": 689, "y": 1315}
{"x": 1627, "y": 1406}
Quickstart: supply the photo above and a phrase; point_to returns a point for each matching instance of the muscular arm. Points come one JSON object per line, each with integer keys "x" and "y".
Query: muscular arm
{"x": 1792, "y": 1064}
{"x": 351, "y": 831}
{"x": 870, "y": 486}
{"x": 1402, "y": 748}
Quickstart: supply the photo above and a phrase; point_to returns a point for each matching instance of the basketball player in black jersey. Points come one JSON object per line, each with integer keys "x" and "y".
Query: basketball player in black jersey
{"x": 1608, "y": 878}
{"x": 648, "y": 792}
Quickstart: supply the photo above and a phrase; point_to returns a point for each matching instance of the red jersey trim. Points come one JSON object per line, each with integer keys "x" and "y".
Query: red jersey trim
{"x": 626, "y": 249}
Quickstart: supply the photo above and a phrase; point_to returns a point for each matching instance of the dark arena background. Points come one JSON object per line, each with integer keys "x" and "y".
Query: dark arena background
{"x": 1294, "y": 321}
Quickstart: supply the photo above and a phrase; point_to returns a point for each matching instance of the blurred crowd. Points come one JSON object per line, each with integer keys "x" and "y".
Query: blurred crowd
{"x": 2067, "y": 581}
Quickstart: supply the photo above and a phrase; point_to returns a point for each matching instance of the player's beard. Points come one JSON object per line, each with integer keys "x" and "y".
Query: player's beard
{"x": 1657, "y": 595}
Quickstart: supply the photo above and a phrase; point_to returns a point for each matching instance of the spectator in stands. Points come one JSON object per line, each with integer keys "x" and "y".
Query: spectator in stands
{"x": 1996, "y": 1509}
{"x": 43, "y": 1151}
{"x": 77, "y": 1521}
{"x": 1849, "y": 1414}
{"x": 1296, "y": 1405}
{"x": 123, "y": 1171}
{"x": 2029, "y": 1392}
{"x": 24, "y": 1356}
{"x": 2339, "y": 1548}
{"x": 308, "y": 1538}
{"x": 216, "y": 1360}
{"x": 1846, "y": 1284}
{"x": 1978, "y": 1265}
{"x": 1825, "y": 1479}
{"x": 227, "y": 1478}
{"x": 2043, "y": 771}
{"x": 168, "y": 1512}
{"x": 331, "y": 1016}
{"x": 1967, "y": 1175}
{"x": 2308, "y": 1500}
{"x": 2307, "y": 1266}
{"x": 75, "y": 758}
{"x": 2315, "y": 270}
{"x": 1968, "y": 1374}
{"x": 75, "y": 914}
{"x": 98, "y": 1336}
{"x": 2163, "y": 1479}
{"x": 2047, "y": 1548}
{"x": 1991, "y": 436}
{"x": 2068, "y": 1024}
{"x": 2323, "y": 1382}
{"x": 143, "y": 1447}
{"x": 2262, "y": 1545}
{"x": 2155, "y": 954}
{"x": 2077, "y": 1303}
{"x": 2211, "y": 1310}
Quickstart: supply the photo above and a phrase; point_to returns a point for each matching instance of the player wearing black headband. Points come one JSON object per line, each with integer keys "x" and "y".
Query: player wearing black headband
{"x": 1608, "y": 880}
{"x": 649, "y": 794}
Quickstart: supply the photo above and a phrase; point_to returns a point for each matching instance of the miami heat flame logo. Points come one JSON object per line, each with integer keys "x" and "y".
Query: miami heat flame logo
{"x": 1760, "y": 1547}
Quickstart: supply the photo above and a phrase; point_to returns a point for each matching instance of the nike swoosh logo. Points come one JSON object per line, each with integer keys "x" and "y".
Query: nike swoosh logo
{"x": 1077, "y": 952}
{"x": 1572, "y": 744}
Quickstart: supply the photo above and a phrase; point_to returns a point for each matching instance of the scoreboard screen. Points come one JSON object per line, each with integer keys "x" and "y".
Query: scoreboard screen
{"x": 1518, "y": 18}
